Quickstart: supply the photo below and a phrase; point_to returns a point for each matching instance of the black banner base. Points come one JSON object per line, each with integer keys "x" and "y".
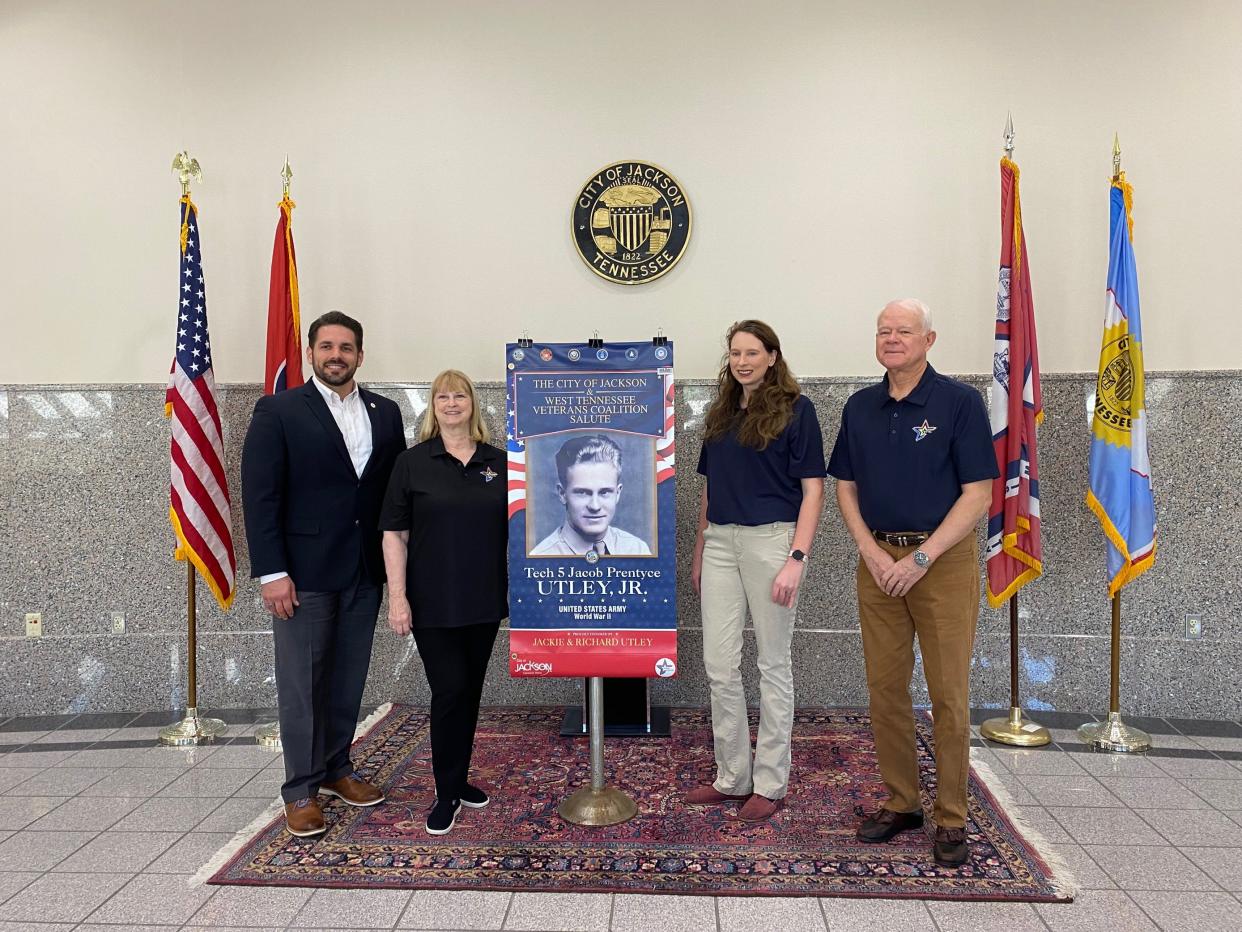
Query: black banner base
{"x": 627, "y": 712}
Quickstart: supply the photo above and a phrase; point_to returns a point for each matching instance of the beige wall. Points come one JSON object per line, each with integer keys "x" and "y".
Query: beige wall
{"x": 835, "y": 155}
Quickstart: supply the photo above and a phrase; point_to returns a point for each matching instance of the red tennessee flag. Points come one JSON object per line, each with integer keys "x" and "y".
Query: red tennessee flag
{"x": 284, "y": 324}
{"x": 1014, "y": 552}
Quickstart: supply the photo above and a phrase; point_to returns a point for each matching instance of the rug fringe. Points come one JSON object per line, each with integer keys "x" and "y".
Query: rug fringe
{"x": 1063, "y": 881}
{"x": 237, "y": 842}
{"x": 370, "y": 721}
{"x": 275, "y": 808}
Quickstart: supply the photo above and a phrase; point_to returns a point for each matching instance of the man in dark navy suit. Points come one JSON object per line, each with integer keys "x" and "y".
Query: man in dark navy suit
{"x": 315, "y": 467}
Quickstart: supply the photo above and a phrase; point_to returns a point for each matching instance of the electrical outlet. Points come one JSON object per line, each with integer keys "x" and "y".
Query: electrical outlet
{"x": 34, "y": 624}
{"x": 1194, "y": 626}
{"x": 118, "y": 622}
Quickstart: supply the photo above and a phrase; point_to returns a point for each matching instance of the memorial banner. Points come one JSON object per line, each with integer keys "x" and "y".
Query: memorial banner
{"x": 592, "y": 529}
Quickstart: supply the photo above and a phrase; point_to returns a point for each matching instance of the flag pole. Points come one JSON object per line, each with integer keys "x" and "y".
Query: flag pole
{"x": 1114, "y": 734}
{"x": 193, "y": 729}
{"x": 1013, "y": 729}
{"x": 267, "y": 735}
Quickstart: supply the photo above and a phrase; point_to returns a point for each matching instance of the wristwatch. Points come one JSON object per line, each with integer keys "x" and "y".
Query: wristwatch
{"x": 921, "y": 559}
{"x": 799, "y": 556}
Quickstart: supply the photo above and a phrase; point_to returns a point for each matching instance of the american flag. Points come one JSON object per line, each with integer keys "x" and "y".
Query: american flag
{"x": 199, "y": 509}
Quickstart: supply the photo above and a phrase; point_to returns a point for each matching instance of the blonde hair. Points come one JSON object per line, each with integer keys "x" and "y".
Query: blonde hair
{"x": 453, "y": 380}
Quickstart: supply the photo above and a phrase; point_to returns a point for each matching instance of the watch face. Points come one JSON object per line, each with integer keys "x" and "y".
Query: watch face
{"x": 798, "y": 555}
{"x": 921, "y": 558}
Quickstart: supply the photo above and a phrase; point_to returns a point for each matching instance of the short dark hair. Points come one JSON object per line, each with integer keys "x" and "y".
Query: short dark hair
{"x": 591, "y": 448}
{"x": 334, "y": 319}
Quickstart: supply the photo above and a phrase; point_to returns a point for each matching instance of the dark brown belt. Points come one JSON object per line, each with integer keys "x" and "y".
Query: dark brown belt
{"x": 900, "y": 540}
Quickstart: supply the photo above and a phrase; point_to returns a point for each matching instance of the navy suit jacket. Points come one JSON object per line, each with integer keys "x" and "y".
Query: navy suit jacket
{"x": 307, "y": 512}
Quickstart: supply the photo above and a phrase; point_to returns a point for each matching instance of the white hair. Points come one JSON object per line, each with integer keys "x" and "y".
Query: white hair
{"x": 915, "y": 305}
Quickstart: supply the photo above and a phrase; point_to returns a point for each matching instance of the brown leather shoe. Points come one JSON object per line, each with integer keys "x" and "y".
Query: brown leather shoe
{"x": 304, "y": 818}
{"x": 708, "y": 795}
{"x": 950, "y": 848}
{"x": 758, "y": 808}
{"x": 354, "y": 791}
{"x": 883, "y": 824}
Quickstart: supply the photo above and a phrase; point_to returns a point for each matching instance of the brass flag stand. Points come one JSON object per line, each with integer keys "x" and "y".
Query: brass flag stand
{"x": 1114, "y": 734}
{"x": 268, "y": 735}
{"x": 597, "y": 804}
{"x": 1014, "y": 729}
{"x": 194, "y": 729}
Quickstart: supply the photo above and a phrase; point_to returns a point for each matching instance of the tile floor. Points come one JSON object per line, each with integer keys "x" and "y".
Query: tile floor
{"x": 100, "y": 829}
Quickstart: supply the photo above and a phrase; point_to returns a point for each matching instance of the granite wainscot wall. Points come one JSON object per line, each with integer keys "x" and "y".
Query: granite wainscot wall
{"x": 87, "y": 544}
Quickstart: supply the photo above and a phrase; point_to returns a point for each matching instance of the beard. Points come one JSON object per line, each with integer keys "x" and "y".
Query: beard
{"x": 329, "y": 377}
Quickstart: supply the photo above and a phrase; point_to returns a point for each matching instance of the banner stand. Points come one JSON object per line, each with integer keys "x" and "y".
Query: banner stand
{"x": 628, "y": 712}
{"x": 597, "y": 804}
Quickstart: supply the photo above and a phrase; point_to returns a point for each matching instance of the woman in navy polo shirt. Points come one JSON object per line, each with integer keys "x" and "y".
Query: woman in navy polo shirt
{"x": 763, "y": 456}
{"x": 446, "y": 531}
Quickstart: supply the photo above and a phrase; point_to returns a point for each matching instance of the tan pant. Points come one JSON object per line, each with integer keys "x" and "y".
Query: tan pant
{"x": 739, "y": 565}
{"x": 941, "y": 609}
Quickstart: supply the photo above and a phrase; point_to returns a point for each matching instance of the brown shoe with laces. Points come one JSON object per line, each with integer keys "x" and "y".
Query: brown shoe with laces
{"x": 354, "y": 791}
{"x": 883, "y": 824}
{"x": 950, "y": 848}
{"x": 304, "y": 818}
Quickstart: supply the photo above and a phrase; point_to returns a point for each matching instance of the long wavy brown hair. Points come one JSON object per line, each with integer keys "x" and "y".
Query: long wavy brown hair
{"x": 770, "y": 406}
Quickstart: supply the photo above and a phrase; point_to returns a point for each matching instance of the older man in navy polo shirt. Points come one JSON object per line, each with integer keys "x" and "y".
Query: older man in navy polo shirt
{"x": 914, "y": 467}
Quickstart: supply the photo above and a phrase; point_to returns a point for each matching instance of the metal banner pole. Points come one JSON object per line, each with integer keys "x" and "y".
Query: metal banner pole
{"x": 193, "y": 729}
{"x": 1013, "y": 730}
{"x": 1114, "y": 734}
{"x": 597, "y": 804}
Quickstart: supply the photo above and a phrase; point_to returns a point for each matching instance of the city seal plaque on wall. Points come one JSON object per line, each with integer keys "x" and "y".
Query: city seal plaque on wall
{"x": 631, "y": 222}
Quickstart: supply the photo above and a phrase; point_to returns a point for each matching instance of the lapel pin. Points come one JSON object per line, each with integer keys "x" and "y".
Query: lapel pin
{"x": 373, "y": 404}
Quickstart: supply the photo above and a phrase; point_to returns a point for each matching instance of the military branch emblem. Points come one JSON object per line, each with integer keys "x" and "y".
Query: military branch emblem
{"x": 631, "y": 222}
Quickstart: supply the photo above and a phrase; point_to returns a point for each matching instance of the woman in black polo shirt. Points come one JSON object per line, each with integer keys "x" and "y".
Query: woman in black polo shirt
{"x": 445, "y": 536}
{"x": 763, "y": 457}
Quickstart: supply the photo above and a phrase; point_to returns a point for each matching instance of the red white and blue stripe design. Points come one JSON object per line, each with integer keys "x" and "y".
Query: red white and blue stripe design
{"x": 199, "y": 492}
{"x": 1014, "y": 551}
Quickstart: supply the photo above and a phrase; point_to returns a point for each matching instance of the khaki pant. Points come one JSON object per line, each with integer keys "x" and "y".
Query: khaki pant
{"x": 739, "y": 566}
{"x": 941, "y": 609}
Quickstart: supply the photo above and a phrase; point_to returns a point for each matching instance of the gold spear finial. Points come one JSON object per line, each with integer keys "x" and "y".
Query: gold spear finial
{"x": 1009, "y": 136}
{"x": 286, "y": 174}
{"x": 1116, "y": 157}
{"x": 187, "y": 169}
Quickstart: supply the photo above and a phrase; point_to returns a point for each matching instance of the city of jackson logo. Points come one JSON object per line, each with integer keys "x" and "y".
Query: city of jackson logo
{"x": 631, "y": 222}
{"x": 1119, "y": 383}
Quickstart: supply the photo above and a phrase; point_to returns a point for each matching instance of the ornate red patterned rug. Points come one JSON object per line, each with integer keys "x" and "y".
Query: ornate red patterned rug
{"x": 520, "y": 843}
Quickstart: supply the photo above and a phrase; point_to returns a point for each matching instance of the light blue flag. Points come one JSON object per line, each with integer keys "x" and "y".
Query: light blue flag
{"x": 1120, "y": 484}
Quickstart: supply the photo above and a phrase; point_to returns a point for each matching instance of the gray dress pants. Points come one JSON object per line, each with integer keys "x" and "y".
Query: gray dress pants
{"x": 323, "y": 653}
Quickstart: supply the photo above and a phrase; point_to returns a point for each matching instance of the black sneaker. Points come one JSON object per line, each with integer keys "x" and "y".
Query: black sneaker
{"x": 473, "y": 797}
{"x": 443, "y": 815}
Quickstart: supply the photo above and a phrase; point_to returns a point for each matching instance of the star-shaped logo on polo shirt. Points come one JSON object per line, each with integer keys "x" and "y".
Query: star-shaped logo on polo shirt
{"x": 922, "y": 430}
